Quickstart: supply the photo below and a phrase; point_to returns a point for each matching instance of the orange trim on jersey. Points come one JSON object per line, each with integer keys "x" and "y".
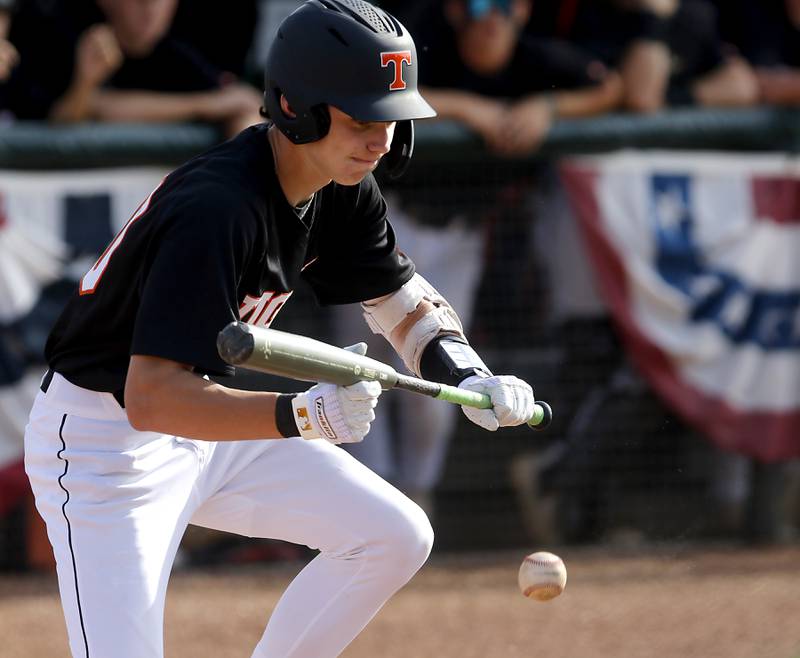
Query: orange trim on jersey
{"x": 99, "y": 268}
{"x": 275, "y": 310}
{"x": 261, "y": 311}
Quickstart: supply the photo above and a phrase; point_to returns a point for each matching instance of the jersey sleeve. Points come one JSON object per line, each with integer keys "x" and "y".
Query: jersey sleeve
{"x": 357, "y": 256}
{"x": 189, "y": 291}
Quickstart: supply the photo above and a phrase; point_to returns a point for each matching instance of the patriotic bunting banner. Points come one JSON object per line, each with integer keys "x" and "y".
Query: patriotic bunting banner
{"x": 698, "y": 257}
{"x": 53, "y": 225}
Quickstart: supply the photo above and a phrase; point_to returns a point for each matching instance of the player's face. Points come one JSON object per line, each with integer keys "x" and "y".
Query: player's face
{"x": 352, "y": 148}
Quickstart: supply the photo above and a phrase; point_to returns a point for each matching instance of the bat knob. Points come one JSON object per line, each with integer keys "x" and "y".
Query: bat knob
{"x": 235, "y": 343}
{"x": 546, "y": 416}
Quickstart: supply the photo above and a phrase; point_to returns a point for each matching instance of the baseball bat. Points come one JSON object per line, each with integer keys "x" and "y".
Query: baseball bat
{"x": 298, "y": 357}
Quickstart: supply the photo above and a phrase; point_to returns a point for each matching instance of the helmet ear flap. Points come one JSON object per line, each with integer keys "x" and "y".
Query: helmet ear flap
{"x": 272, "y": 103}
{"x": 308, "y": 125}
{"x": 399, "y": 155}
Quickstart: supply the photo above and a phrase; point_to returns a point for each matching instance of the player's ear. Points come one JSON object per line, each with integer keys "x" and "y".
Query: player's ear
{"x": 286, "y": 108}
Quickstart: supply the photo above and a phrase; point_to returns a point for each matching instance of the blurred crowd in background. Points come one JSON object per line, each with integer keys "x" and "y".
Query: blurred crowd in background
{"x": 166, "y": 60}
{"x": 508, "y": 70}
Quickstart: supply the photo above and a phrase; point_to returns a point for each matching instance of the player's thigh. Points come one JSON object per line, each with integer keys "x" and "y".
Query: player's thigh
{"x": 115, "y": 503}
{"x": 307, "y": 492}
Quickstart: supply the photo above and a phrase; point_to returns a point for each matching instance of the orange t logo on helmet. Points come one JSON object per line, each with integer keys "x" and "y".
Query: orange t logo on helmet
{"x": 396, "y": 58}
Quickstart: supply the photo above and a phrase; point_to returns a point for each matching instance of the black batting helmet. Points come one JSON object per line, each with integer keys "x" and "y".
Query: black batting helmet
{"x": 354, "y": 56}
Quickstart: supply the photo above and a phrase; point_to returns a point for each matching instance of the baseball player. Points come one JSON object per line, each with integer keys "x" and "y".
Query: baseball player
{"x": 129, "y": 441}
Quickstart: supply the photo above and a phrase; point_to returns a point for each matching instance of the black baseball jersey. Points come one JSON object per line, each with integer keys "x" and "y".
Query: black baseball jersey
{"x": 217, "y": 241}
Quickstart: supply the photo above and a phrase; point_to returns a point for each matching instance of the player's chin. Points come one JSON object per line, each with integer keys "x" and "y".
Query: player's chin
{"x": 355, "y": 172}
{"x": 350, "y": 178}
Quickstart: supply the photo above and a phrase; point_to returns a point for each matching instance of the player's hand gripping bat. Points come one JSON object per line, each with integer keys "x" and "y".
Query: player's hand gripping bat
{"x": 298, "y": 357}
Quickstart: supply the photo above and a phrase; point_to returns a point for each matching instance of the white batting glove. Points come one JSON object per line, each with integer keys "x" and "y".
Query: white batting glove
{"x": 339, "y": 414}
{"x": 512, "y": 401}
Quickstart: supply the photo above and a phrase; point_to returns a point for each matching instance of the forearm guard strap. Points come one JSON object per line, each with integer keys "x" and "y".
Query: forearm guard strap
{"x": 450, "y": 360}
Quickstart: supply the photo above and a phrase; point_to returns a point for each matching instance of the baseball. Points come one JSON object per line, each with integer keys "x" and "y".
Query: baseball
{"x": 542, "y": 576}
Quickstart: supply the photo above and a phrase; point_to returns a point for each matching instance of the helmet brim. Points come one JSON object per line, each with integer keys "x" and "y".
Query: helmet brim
{"x": 398, "y": 106}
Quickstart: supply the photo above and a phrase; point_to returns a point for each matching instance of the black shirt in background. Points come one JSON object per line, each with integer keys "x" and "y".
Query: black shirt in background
{"x": 761, "y": 31}
{"x": 46, "y": 35}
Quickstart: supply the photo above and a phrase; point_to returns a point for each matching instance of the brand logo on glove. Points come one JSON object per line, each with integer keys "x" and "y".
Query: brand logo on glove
{"x": 319, "y": 408}
{"x": 303, "y": 421}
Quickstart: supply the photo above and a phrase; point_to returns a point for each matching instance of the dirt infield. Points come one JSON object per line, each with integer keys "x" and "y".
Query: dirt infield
{"x": 660, "y": 603}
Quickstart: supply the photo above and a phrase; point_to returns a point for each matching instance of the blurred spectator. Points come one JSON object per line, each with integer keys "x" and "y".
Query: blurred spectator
{"x": 270, "y": 14}
{"x": 767, "y": 33}
{"x": 8, "y": 53}
{"x": 408, "y": 440}
{"x": 615, "y": 452}
{"x": 114, "y": 60}
{"x": 404, "y": 10}
{"x": 223, "y": 36}
{"x": 477, "y": 67}
{"x": 669, "y": 52}
{"x": 23, "y": 95}
{"x": 9, "y": 57}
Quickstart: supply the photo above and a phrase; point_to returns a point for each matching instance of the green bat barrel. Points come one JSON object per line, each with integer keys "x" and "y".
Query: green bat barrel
{"x": 298, "y": 357}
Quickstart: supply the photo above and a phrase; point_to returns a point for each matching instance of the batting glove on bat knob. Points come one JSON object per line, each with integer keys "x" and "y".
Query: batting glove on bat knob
{"x": 512, "y": 401}
{"x": 339, "y": 414}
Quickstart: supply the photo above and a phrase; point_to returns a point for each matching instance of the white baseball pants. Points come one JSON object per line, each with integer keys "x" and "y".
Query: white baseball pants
{"x": 117, "y": 501}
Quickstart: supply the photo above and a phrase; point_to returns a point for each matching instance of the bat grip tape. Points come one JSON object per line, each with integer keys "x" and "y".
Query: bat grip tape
{"x": 482, "y": 401}
{"x": 464, "y": 397}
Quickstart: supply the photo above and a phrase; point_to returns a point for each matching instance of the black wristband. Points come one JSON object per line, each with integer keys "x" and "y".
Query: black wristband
{"x": 450, "y": 360}
{"x": 284, "y": 415}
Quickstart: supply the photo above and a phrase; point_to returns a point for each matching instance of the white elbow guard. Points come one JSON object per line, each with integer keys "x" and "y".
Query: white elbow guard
{"x": 384, "y": 316}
